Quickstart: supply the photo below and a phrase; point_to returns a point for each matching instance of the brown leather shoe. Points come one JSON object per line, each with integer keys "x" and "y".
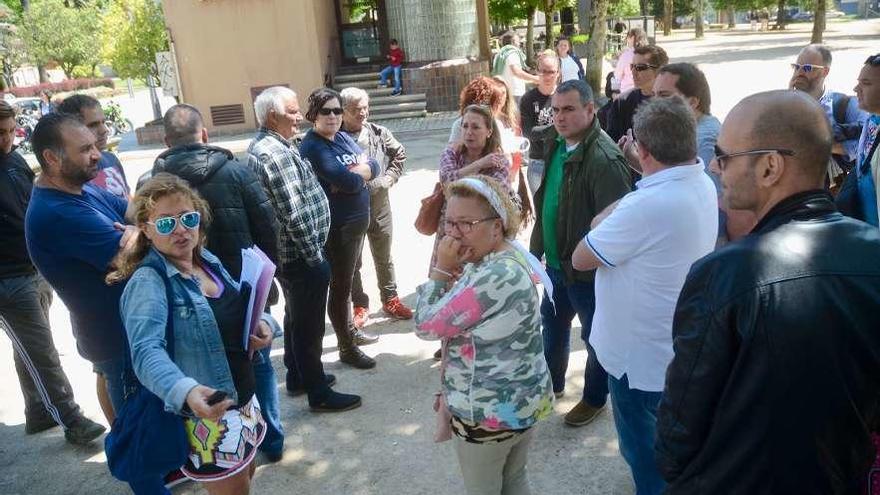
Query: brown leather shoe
{"x": 582, "y": 414}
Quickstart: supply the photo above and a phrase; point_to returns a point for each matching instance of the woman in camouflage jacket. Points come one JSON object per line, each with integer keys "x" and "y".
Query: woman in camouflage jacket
{"x": 481, "y": 301}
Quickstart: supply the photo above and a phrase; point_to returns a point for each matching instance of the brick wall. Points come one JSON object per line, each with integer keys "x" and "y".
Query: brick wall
{"x": 442, "y": 81}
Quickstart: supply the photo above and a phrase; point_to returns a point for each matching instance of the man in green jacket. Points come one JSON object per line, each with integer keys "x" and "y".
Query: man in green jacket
{"x": 585, "y": 173}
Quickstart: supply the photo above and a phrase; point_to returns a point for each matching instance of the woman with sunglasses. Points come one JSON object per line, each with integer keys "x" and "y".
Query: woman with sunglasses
{"x": 210, "y": 379}
{"x": 495, "y": 381}
{"x": 343, "y": 170}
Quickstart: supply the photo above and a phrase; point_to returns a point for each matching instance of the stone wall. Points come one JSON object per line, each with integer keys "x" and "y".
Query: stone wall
{"x": 443, "y": 81}
{"x": 430, "y": 30}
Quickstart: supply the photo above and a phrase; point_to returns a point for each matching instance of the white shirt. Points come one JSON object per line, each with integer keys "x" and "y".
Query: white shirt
{"x": 569, "y": 69}
{"x": 517, "y": 86}
{"x": 648, "y": 245}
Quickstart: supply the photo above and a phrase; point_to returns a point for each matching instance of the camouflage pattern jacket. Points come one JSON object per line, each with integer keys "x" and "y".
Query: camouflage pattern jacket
{"x": 496, "y": 375}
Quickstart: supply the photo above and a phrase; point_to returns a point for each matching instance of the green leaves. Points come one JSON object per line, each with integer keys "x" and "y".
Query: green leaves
{"x": 134, "y": 30}
{"x": 71, "y": 37}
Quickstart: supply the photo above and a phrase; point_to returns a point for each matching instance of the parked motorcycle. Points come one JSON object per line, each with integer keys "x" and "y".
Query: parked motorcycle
{"x": 114, "y": 120}
{"x": 24, "y": 128}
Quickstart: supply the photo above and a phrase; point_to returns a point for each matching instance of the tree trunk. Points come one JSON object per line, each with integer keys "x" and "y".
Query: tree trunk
{"x": 780, "y": 15}
{"x": 818, "y": 21}
{"x": 530, "y": 37}
{"x": 154, "y": 98}
{"x": 548, "y": 29}
{"x": 667, "y": 17}
{"x": 643, "y": 7}
{"x": 583, "y": 9}
{"x": 698, "y": 19}
{"x": 731, "y": 17}
{"x": 596, "y": 45}
{"x": 25, "y": 4}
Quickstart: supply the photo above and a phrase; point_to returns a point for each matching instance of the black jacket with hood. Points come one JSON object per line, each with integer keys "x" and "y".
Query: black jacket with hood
{"x": 242, "y": 213}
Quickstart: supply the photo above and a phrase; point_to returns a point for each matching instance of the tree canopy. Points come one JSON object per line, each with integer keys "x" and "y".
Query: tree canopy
{"x": 52, "y": 32}
{"x": 134, "y": 30}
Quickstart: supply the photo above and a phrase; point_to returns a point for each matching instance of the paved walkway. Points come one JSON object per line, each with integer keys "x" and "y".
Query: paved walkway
{"x": 385, "y": 447}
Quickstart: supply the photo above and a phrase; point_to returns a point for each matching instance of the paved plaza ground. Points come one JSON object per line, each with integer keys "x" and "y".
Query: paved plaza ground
{"x": 385, "y": 447}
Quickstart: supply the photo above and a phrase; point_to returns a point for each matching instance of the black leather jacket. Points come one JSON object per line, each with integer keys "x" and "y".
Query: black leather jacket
{"x": 775, "y": 384}
{"x": 242, "y": 213}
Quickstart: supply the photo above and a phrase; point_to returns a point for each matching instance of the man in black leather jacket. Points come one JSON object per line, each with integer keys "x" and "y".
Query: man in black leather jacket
{"x": 775, "y": 383}
{"x": 242, "y": 217}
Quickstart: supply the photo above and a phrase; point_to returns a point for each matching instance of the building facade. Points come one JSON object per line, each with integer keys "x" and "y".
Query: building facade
{"x": 227, "y": 51}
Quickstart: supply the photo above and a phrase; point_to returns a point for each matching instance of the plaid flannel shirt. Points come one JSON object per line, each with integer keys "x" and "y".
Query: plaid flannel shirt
{"x": 298, "y": 199}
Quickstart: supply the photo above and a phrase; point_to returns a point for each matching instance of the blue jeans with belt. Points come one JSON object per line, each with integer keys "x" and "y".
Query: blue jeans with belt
{"x": 578, "y": 299}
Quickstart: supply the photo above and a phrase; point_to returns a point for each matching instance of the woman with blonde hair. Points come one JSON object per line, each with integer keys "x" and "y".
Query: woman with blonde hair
{"x": 209, "y": 380}
{"x": 482, "y": 303}
{"x": 635, "y": 38}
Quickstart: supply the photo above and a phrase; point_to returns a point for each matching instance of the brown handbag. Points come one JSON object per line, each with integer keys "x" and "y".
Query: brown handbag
{"x": 428, "y": 220}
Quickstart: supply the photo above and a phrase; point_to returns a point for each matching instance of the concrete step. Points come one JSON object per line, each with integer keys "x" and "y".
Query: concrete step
{"x": 362, "y": 83}
{"x": 347, "y": 79}
{"x": 398, "y": 115}
{"x": 404, "y": 98}
{"x": 398, "y": 107}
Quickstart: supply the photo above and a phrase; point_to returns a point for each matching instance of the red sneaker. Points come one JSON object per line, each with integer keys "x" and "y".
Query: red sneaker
{"x": 361, "y": 316}
{"x": 396, "y": 309}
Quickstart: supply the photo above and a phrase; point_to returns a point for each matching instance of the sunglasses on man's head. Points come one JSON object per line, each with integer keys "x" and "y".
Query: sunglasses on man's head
{"x": 166, "y": 225}
{"x": 807, "y": 67}
{"x": 641, "y": 67}
{"x": 873, "y": 60}
{"x": 328, "y": 111}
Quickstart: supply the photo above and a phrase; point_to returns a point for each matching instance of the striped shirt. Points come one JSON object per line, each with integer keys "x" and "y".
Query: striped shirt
{"x": 298, "y": 199}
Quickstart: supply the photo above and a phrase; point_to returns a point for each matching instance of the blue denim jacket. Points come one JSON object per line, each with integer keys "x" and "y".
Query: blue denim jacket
{"x": 199, "y": 354}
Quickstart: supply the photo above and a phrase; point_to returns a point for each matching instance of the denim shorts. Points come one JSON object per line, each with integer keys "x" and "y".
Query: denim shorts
{"x": 113, "y": 370}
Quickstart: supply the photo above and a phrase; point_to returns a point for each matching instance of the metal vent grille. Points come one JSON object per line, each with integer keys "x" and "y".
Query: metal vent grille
{"x": 227, "y": 114}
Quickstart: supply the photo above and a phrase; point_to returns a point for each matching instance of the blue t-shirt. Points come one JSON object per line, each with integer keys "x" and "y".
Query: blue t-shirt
{"x": 111, "y": 176}
{"x": 332, "y": 160}
{"x": 71, "y": 240}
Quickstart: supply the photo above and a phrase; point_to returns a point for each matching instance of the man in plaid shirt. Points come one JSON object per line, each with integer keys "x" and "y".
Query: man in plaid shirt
{"x": 304, "y": 215}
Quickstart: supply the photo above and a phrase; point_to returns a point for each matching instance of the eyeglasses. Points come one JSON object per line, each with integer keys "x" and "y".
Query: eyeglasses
{"x": 549, "y": 72}
{"x": 166, "y": 225}
{"x": 464, "y": 226}
{"x": 328, "y": 111}
{"x": 807, "y": 68}
{"x": 720, "y": 155}
{"x": 641, "y": 67}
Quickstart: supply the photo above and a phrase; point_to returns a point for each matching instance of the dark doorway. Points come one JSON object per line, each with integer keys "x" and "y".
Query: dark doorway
{"x": 363, "y": 33}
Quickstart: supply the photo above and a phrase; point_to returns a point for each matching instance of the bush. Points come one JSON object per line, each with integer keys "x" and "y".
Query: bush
{"x": 66, "y": 85}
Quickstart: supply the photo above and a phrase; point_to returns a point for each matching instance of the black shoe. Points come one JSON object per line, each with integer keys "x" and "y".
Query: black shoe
{"x": 83, "y": 430}
{"x": 41, "y": 423}
{"x": 438, "y": 356}
{"x": 298, "y": 389}
{"x": 356, "y": 357}
{"x": 363, "y": 338}
{"x": 273, "y": 457}
{"x": 335, "y": 402}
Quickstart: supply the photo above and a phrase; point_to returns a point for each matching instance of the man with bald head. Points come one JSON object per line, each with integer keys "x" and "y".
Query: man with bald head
{"x": 774, "y": 384}
{"x": 842, "y": 111}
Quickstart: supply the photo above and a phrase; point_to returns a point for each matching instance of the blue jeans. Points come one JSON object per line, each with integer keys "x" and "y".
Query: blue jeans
{"x": 635, "y": 416}
{"x": 267, "y": 394}
{"x": 578, "y": 298}
{"x": 387, "y": 71}
{"x": 113, "y": 371}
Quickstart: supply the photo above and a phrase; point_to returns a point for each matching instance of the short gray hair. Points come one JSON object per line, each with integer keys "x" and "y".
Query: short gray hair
{"x": 352, "y": 95}
{"x": 271, "y": 99}
{"x": 666, "y": 128}
{"x": 183, "y": 124}
{"x": 584, "y": 90}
